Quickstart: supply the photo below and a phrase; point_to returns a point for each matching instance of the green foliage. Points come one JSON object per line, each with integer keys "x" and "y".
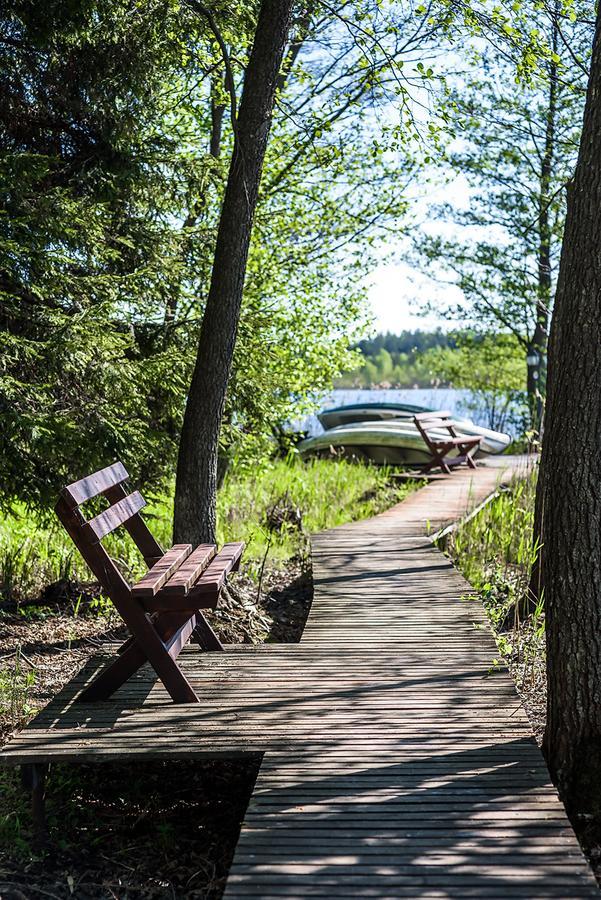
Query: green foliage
{"x": 109, "y": 204}
{"x": 109, "y": 201}
{"x": 492, "y": 368}
{"x": 90, "y": 181}
{"x": 516, "y": 152}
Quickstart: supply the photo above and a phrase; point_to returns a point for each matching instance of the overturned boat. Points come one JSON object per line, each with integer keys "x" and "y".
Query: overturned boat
{"x": 368, "y": 412}
{"x": 390, "y": 438}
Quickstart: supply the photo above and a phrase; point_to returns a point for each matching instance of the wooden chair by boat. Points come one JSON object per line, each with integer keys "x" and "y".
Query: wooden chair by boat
{"x": 439, "y": 447}
{"x": 162, "y": 611}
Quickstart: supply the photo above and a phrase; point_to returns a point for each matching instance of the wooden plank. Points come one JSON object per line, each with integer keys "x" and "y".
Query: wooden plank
{"x": 213, "y": 578}
{"x": 156, "y": 577}
{"x": 185, "y": 576}
{"x": 105, "y": 522}
{"x": 435, "y": 414}
{"x": 93, "y": 485}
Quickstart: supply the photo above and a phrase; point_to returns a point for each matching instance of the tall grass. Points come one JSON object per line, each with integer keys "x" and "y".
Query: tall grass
{"x": 35, "y": 551}
{"x": 495, "y": 551}
{"x": 324, "y": 493}
{"x": 16, "y": 682}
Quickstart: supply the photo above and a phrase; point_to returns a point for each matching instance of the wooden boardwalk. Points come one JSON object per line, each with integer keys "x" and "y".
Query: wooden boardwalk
{"x": 397, "y": 761}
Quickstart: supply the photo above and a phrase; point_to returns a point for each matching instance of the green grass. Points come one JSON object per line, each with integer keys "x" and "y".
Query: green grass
{"x": 35, "y": 551}
{"x": 494, "y": 550}
{"x": 325, "y": 493}
{"x": 16, "y": 682}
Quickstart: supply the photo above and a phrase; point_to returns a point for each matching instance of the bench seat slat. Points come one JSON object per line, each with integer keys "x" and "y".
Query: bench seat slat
{"x": 213, "y": 578}
{"x": 187, "y": 574}
{"x": 160, "y": 573}
{"x": 88, "y": 488}
{"x": 455, "y": 441}
{"x": 204, "y": 594}
{"x": 115, "y": 515}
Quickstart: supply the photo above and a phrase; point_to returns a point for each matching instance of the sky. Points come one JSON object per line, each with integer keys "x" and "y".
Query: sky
{"x": 394, "y": 296}
{"x": 397, "y": 289}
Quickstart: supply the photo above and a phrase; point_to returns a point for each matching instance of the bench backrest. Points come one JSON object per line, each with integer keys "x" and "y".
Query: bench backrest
{"x": 428, "y": 421}
{"x": 124, "y": 510}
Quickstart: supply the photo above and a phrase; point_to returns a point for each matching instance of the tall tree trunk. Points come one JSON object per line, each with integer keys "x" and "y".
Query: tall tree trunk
{"x": 196, "y": 482}
{"x": 570, "y": 481}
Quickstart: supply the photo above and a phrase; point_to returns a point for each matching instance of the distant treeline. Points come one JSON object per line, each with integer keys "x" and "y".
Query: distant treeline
{"x": 407, "y": 342}
{"x": 400, "y": 360}
{"x": 423, "y": 359}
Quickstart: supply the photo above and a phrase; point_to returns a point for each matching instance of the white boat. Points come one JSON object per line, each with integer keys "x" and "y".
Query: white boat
{"x": 395, "y": 440}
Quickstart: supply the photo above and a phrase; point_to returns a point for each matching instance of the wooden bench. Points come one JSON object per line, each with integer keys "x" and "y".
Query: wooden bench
{"x": 439, "y": 447}
{"x": 162, "y": 611}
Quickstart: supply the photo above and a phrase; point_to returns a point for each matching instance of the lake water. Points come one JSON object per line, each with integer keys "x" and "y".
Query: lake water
{"x": 460, "y": 403}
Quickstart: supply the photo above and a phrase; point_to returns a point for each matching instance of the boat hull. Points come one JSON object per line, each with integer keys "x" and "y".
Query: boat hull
{"x": 367, "y": 412}
{"x": 400, "y": 416}
{"x": 395, "y": 442}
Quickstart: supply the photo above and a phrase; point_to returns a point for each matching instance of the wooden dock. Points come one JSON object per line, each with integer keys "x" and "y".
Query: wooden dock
{"x": 396, "y": 758}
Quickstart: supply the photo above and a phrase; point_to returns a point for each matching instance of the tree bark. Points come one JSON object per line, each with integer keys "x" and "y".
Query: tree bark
{"x": 196, "y": 481}
{"x": 570, "y": 482}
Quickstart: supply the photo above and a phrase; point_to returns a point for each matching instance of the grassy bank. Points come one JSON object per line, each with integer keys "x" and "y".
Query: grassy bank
{"x": 495, "y": 552}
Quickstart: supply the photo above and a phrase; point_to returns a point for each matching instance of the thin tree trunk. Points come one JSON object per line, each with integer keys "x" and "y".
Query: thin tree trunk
{"x": 536, "y": 372}
{"x": 570, "y": 482}
{"x": 196, "y": 482}
{"x": 301, "y": 30}
{"x": 536, "y": 386}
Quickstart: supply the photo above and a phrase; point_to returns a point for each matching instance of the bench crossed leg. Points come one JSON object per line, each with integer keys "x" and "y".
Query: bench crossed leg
{"x": 467, "y": 450}
{"x": 160, "y": 645}
{"x": 438, "y": 457}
